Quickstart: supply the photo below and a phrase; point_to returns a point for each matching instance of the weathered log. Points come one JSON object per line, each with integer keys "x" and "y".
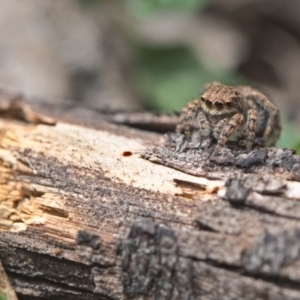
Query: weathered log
{"x": 91, "y": 209}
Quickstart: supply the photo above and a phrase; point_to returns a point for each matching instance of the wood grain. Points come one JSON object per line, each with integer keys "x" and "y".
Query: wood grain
{"x": 91, "y": 209}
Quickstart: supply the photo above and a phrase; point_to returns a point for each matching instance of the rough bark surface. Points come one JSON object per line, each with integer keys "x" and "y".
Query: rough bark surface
{"x": 92, "y": 209}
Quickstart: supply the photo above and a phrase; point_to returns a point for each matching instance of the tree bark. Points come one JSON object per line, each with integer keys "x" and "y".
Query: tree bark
{"x": 99, "y": 205}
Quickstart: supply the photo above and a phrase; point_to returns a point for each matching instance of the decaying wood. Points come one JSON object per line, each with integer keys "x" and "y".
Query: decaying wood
{"x": 91, "y": 209}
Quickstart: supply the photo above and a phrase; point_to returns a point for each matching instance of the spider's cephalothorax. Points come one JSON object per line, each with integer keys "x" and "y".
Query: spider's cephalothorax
{"x": 226, "y": 111}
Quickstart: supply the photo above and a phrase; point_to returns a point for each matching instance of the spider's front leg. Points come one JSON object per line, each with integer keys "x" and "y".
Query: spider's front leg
{"x": 185, "y": 125}
{"x": 204, "y": 139}
{"x": 272, "y": 111}
{"x": 251, "y": 126}
{"x": 234, "y": 124}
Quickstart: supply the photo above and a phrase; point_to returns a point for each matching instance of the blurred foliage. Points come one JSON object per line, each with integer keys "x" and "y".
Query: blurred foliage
{"x": 88, "y": 2}
{"x": 144, "y": 8}
{"x": 289, "y": 137}
{"x": 169, "y": 78}
{"x": 2, "y": 297}
{"x": 296, "y": 147}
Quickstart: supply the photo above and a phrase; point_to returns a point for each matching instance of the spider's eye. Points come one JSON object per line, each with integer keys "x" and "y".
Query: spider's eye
{"x": 219, "y": 105}
{"x": 208, "y": 103}
{"x": 228, "y": 105}
{"x": 202, "y": 99}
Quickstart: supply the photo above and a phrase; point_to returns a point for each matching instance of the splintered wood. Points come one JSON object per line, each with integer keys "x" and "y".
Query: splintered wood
{"x": 91, "y": 209}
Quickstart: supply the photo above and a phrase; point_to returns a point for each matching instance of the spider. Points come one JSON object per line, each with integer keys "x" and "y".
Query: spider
{"x": 228, "y": 111}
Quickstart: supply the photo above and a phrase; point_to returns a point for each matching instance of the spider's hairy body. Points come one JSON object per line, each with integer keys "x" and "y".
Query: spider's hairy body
{"x": 229, "y": 111}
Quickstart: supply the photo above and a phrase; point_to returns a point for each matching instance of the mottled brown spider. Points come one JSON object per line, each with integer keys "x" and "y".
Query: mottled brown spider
{"x": 228, "y": 111}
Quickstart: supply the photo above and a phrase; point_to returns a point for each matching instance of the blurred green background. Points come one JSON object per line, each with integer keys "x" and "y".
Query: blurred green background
{"x": 152, "y": 54}
{"x": 171, "y": 76}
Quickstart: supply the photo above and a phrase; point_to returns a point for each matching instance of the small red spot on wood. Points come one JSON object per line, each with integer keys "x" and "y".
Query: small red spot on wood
{"x": 127, "y": 153}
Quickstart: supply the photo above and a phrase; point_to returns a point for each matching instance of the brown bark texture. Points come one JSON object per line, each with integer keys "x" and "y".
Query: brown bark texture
{"x": 99, "y": 205}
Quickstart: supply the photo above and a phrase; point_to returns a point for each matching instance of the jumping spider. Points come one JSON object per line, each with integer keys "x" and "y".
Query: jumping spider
{"x": 229, "y": 111}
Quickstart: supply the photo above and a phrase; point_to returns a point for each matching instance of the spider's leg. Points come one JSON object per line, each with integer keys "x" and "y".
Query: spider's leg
{"x": 185, "y": 123}
{"x": 251, "y": 126}
{"x": 272, "y": 124}
{"x": 234, "y": 123}
{"x": 203, "y": 139}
